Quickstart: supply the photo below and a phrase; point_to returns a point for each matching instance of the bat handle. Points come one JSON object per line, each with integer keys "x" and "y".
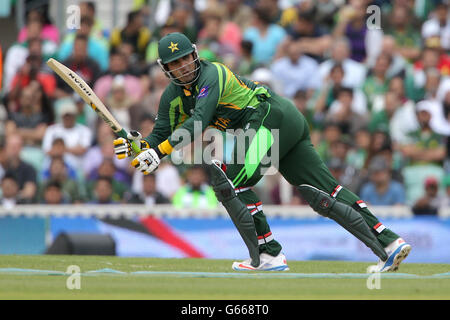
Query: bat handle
{"x": 135, "y": 147}
{"x": 134, "y": 143}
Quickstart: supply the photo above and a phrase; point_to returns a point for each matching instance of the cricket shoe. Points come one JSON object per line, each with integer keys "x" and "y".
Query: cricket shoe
{"x": 397, "y": 252}
{"x": 267, "y": 263}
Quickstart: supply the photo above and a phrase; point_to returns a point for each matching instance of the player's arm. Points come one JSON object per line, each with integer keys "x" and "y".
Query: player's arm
{"x": 210, "y": 90}
{"x": 161, "y": 131}
{"x": 205, "y": 109}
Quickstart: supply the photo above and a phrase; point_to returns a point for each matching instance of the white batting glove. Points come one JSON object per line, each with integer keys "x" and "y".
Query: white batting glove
{"x": 146, "y": 162}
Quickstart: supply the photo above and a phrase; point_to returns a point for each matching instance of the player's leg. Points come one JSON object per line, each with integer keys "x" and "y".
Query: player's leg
{"x": 350, "y": 210}
{"x": 247, "y": 168}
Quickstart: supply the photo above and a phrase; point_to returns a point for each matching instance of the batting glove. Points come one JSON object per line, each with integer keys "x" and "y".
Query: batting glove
{"x": 122, "y": 147}
{"x": 146, "y": 162}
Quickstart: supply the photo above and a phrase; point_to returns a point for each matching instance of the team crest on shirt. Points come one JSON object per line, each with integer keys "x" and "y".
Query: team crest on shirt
{"x": 203, "y": 92}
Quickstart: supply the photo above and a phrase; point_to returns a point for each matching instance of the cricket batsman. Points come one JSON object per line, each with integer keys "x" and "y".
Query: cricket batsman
{"x": 212, "y": 95}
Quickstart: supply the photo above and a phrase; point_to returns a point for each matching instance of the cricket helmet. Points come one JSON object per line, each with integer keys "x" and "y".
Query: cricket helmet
{"x": 174, "y": 46}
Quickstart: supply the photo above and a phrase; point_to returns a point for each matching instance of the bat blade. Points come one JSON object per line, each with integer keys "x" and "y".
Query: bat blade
{"x": 87, "y": 94}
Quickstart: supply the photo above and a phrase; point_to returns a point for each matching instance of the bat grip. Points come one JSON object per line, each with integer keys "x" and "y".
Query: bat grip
{"x": 134, "y": 143}
{"x": 135, "y": 147}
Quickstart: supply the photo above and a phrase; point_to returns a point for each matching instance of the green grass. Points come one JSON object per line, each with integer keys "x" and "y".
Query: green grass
{"x": 167, "y": 287}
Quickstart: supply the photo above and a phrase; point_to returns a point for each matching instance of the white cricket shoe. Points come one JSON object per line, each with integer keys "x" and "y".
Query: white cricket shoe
{"x": 267, "y": 263}
{"x": 397, "y": 251}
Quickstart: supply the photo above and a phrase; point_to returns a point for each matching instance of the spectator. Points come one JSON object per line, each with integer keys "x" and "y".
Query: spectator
{"x": 352, "y": 24}
{"x": 377, "y": 82}
{"x": 219, "y": 35}
{"x": 272, "y": 7}
{"x": 424, "y": 154}
{"x": 103, "y": 191}
{"x": 246, "y": 64}
{"x": 169, "y": 26}
{"x": 265, "y": 37}
{"x": 149, "y": 196}
{"x": 296, "y": 71}
{"x": 72, "y": 190}
{"x": 89, "y": 9}
{"x": 438, "y": 25}
{"x": 357, "y": 156}
{"x": 445, "y": 200}
{"x": 407, "y": 40}
{"x": 354, "y": 72}
{"x": 416, "y": 75}
{"x": 300, "y": 101}
{"x": 342, "y": 112}
{"x": 118, "y": 67}
{"x": 398, "y": 64}
{"x": 147, "y": 107}
{"x": 31, "y": 73}
{"x": 119, "y": 102}
{"x": 24, "y": 174}
{"x": 382, "y": 190}
{"x": 10, "y": 192}
{"x": 166, "y": 172}
{"x": 48, "y": 31}
{"x": 238, "y": 12}
{"x": 405, "y": 119}
{"x": 308, "y": 34}
{"x": 29, "y": 121}
{"x": 186, "y": 16}
{"x": 427, "y": 146}
{"x": 332, "y": 132}
{"x": 380, "y": 144}
{"x": 195, "y": 193}
{"x": 429, "y": 203}
{"x": 135, "y": 33}
{"x": 97, "y": 49}
{"x": 325, "y": 98}
{"x": 103, "y": 149}
{"x": 18, "y": 52}
{"x": 58, "y": 150}
{"x": 82, "y": 64}
{"x": 119, "y": 180}
{"x": 394, "y": 118}
{"x": 441, "y": 122}
{"x": 440, "y": 119}
{"x": 77, "y": 137}
{"x": 53, "y": 194}
{"x": 3, "y": 119}
{"x": 339, "y": 152}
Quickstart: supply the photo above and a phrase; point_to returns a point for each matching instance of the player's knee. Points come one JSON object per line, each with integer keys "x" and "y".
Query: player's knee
{"x": 320, "y": 201}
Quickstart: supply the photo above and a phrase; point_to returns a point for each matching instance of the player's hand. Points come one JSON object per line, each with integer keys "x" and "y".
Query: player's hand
{"x": 146, "y": 162}
{"x": 122, "y": 147}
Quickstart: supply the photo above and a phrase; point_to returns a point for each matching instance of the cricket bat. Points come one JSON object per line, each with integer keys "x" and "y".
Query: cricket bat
{"x": 88, "y": 95}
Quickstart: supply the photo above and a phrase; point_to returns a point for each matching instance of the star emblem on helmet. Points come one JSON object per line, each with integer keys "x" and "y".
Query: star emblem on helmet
{"x": 173, "y": 46}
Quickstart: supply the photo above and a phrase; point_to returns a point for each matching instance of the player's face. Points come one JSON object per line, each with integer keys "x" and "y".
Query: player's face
{"x": 183, "y": 68}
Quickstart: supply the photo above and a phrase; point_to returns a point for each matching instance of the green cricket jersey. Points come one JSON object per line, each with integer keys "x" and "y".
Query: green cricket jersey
{"x": 218, "y": 99}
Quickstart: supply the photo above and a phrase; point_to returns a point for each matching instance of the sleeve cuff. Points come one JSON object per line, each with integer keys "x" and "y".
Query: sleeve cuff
{"x": 165, "y": 148}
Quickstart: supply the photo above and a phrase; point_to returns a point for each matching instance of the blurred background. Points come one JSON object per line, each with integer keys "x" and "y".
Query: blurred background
{"x": 371, "y": 77}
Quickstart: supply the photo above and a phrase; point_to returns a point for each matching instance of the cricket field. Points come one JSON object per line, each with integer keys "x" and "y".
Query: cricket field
{"x": 57, "y": 277}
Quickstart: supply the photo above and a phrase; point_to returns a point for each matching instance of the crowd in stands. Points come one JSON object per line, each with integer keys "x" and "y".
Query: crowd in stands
{"x": 376, "y": 97}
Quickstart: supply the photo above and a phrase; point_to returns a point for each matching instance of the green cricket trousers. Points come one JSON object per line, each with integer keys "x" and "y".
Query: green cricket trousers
{"x": 277, "y": 135}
